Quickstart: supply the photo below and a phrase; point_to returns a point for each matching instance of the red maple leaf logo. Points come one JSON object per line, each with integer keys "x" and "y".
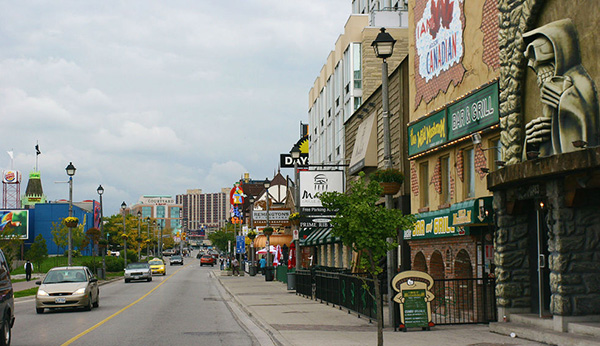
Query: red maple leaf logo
{"x": 441, "y": 15}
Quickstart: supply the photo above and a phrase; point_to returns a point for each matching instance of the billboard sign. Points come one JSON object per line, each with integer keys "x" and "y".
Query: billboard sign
{"x": 14, "y": 223}
{"x": 286, "y": 161}
{"x": 427, "y": 133}
{"x": 11, "y": 177}
{"x": 474, "y": 112}
{"x": 313, "y": 183}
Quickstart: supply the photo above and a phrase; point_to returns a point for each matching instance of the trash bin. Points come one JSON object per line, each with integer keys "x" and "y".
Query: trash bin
{"x": 269, "y": 273}
{"x": 252, "y": 270}
{"x": 291, "y": 281}
{"x": 100, "y": 273}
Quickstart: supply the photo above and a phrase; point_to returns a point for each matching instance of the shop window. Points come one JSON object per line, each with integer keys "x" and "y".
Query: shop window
{"x": 424, "y": 184}
{"x": 445, "y": 180}
{"x": 469, "y": 173}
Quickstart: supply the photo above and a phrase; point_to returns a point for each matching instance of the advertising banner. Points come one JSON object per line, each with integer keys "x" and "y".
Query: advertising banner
{"x": 286, "y": 161}
{"x": 277, "y": 218}
{"x": 14, "y": 223}
{"x": 313, "y": 183}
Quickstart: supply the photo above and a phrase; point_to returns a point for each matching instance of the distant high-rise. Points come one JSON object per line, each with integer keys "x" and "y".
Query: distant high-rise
{"x": 205, "y": 210}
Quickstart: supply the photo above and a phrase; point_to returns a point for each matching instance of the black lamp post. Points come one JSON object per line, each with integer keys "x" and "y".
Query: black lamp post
{"x": 384, "y": 48}
{"x": 100, "y": 191}
{"x": 296, "y": 156}
{"x": 139, "y": 236}
{"x": 267, "y": 232}
{"x": 154, "y": 235}
{"x": 123, "y": 206}
{"x": 70, "y": 172}
{"x": 148, "y": 238}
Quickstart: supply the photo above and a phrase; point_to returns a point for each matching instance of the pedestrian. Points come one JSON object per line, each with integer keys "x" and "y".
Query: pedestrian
{"x": 28, "y": 270}
{"x": 222, "y": 263}
{"x": 263, "y": 264}
{"x": 236, "y": 266}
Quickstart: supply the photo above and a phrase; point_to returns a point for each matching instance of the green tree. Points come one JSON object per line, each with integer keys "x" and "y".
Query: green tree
{"x": 10, "y": 243}
{"x": 38, "y": 251}
{"x": 59, "y": 235}
{"x": 366, "y": 226}
{"x": 221, "y": 238}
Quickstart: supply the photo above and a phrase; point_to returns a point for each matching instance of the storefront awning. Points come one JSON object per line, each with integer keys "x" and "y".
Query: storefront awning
{"x": 364, "y": 152}
{"x": 308, "y": 240}
{"x": 317, "y": 237}
{"x": 454, "y": 221}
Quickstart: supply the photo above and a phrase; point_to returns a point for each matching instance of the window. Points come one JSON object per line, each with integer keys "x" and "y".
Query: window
{"x": 445, "y": 180}
{"x": 424, "y": 184}
{"x": 469, "y": 172}
{"x": 357, "y": 65}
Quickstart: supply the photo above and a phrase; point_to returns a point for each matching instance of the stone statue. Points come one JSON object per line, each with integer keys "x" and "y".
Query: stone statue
{"x": 568, "y": 94}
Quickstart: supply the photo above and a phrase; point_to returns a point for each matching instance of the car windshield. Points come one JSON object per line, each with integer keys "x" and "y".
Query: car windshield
{"x": 206, "y": 256}
{"x": 155, "y": 263}
{"x": 137, "y": 266}
{"x": 65, "y": 275}
{"x": 176, "y": 257}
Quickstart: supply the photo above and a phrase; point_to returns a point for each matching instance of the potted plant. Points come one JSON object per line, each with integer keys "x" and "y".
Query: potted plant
{"x": 268, "y": 231}
{"x": 390, "y": 179}
{"x": 71, "y": 221}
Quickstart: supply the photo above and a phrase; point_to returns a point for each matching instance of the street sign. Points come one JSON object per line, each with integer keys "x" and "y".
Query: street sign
{"x": 240, "y": 244}
{"x": 295, "y": 233}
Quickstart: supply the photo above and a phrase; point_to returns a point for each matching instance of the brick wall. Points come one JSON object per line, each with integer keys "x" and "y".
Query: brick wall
{"x": 448, "y": 248}
{"x": 490, "y": 29}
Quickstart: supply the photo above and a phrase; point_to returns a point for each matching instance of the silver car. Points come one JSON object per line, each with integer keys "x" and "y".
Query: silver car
{"x": 67, "y": 287}
{"x": 138, "y": 271}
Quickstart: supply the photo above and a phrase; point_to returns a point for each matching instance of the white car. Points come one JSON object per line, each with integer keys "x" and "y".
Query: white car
{"x": 138, "y": 271}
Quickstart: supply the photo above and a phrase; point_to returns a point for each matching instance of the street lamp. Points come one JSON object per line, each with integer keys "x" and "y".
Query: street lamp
{"x": 384, "y": 48}
{"x": 100, "y": 191}
{"x": 268, "y": 231}
{"x": 154, "y": 235}
{"x": 252, "y": 236}
{"x": 296, "y": 156}
{"x": 70, "y": 172}
{"x": 123, "y": 206}
{"x": 139, "y": 237}
{"x": 148, "y": 238}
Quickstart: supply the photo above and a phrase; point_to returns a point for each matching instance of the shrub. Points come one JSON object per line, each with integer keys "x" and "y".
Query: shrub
{"x": 390, "y": 175}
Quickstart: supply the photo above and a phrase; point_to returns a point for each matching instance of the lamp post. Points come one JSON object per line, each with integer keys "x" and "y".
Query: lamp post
{"x": 296, "y": 156}
{"x": 70, "y": 172}
{"x": 148, "y": 238}
{"x": 268, "y": 231}
{"x": 384, "y": 48}
{"x": 100, "y": 191}
{"x": 139, "y": 236}
{"x": 123, "y": 206}
{"x": 160, "y": 244}
{"x": 154, "y": 235}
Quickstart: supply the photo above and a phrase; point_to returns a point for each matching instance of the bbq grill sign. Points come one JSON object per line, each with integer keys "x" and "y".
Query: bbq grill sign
{"x": 439, "y": 37}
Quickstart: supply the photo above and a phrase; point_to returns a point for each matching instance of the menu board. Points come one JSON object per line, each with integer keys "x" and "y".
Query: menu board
{"x": 415, "y": 308}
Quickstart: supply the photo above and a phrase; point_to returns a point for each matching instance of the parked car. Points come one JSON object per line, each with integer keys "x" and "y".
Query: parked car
{"x": 67, "y": 287}
{"x": 7, "y": 304}
{"x": 158, "y": 266}
{"x": 176, "y": 259}
{"x": 208, "y": 260}
{"x": 138, "y": 271}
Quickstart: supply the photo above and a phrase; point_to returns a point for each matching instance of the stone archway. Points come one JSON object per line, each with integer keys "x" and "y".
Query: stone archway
{"x": 420, "y": 263}
{"x": 463, "y": 290}
{"x": 438, "y": 273}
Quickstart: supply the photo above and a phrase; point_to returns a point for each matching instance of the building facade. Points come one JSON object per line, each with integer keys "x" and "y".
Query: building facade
{"x": 547, "y": 246}
{"x": 163, "y": 208}
{"x": 205, "y": 210}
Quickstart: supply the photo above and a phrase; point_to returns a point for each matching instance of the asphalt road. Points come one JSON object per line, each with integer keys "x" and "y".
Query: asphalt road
{"x": 183, "y": 308}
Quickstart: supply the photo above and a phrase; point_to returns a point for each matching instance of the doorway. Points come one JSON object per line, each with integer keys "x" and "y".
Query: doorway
{"x": 539, "y": 272}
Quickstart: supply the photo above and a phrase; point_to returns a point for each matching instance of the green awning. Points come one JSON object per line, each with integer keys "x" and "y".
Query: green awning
{"x": 315, "y": 239}
{"x": 311, "y": 236}
{"x": 331, "y": 239}
{"x": 323, "y": 235}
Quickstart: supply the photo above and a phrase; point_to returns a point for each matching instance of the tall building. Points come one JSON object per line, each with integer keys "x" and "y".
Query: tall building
{"x": 163, "y": 208}
{"x": 205, "y": 210}
{"x": 350, "y": 74}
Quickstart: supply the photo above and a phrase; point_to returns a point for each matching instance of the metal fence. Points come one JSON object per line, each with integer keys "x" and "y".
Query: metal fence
{"x": 464, "y": 301}
{"x": 353, "y": 292}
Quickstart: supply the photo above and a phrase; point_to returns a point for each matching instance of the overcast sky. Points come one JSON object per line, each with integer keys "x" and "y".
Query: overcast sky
{"x": 157, "y": 97}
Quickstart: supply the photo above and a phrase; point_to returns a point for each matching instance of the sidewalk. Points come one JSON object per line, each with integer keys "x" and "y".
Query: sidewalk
{"x": 294, "y": 320}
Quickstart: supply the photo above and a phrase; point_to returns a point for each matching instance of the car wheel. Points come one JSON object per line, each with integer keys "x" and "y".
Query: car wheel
{"x": 39, "y": 310}
{"x": 97, "y": 303}
{"x": 6, "y": 332}
{"x": 88, "y": 307}
{"x": 149, "y": 279}
{"x": 126, "y": 281}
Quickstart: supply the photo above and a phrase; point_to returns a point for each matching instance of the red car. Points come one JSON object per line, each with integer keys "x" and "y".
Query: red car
{"x": 208, "y": 260}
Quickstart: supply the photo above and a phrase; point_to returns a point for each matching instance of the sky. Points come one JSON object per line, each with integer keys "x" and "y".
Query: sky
{"x": 157, "y": 97}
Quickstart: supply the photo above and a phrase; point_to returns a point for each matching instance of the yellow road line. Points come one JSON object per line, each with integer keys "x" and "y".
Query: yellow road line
{"x": 76, "y": 337}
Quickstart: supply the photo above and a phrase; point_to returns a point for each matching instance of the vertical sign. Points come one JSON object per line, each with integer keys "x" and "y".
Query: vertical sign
{"x": 240, "y": 244}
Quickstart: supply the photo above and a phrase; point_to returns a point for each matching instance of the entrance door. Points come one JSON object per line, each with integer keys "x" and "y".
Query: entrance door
{"x": 538, "y": 259}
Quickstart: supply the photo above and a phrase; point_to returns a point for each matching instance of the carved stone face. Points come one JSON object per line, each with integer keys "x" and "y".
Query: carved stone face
{"x": 540, "y": 54}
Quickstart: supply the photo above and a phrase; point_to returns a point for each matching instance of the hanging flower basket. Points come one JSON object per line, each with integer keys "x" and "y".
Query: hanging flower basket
{"x": 71, "y": 221}
{"x": 390, "y": 188}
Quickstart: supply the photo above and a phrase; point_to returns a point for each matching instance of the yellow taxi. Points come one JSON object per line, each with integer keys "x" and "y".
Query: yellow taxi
{"x": 158, "y": 266}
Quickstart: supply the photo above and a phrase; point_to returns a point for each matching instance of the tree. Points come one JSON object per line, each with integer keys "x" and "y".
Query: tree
{"x": 221, "y": 238}
{"x": 38, "y": 251}
{"x": 59, "y": 235}
{"x": 10, "y": 243}
{"x": 365, "y": 227}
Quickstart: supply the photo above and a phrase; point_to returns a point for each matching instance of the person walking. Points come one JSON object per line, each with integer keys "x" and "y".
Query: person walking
{"x": 236, "y": 266}
{"x": 28, "y": 270}
{"x": 263, "y": 264}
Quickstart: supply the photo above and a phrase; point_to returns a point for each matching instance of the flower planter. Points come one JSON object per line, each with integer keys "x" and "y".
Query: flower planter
{"x": 71, "y": 224}
{"x": 390, "y": 188}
